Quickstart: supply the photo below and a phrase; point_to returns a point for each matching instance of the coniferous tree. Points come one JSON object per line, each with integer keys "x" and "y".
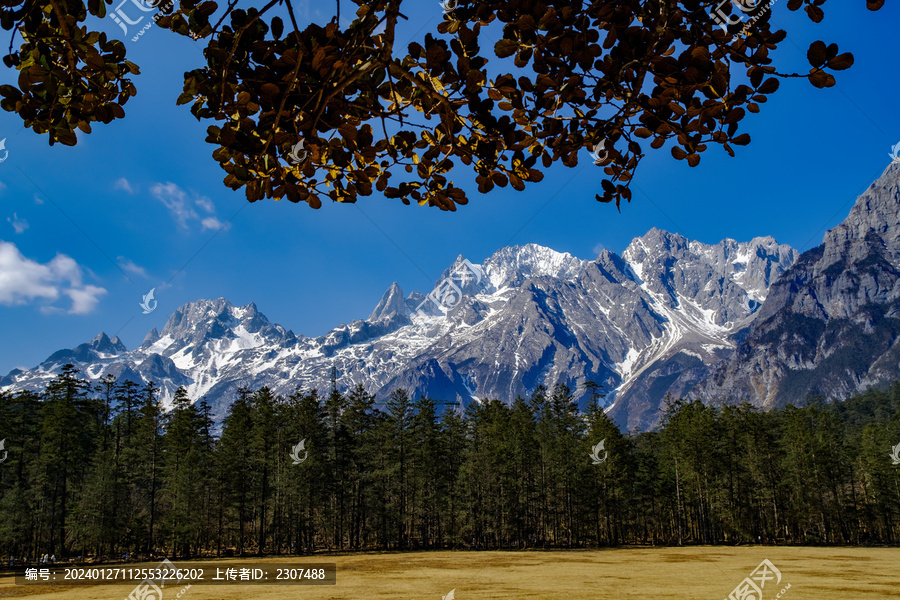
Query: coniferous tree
{"x": 396, "y": 447}
{"x": 233, "y": 472}
{"x": 183, "y": 475}
{"x": 144, "y": 480}
{"x": 524, "y": 450}
{"x": 606, "y": 477}
{"x": 106, "y": 471}
{"x": 68, "y": 438}
{"x": 359, "y": 422}
{"x": 338, "y": 441}
{"x": 428, "y": 489}
{"x": 262, "y": 461}
{"x": 20, "y": 501}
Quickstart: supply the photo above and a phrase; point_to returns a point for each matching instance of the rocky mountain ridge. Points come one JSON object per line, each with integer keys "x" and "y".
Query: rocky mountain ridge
{"x": 527, "y": 315}
{"x": 831, "y": 324}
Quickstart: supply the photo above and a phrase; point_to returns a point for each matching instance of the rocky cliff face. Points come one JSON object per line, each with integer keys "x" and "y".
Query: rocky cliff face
{"x": 831, "y": 324}
{"x": 526, "y": 316}
{"x": 707, "y": 296}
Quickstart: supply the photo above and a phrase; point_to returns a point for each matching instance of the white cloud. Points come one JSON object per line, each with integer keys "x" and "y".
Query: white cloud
{"x": 130, "y": 267}
{"x": 20, "y": 225}
{"x": 206, "y": 204}
{"x": 123, "y": 184}
{"x": 85, "y": 299}
{"x": 37, "y": 199}
{"x": 176, "y": 200}
{"x": 598, "y": 249}
{"x": 23, "y": 281}
{"x": 183, "y": 206}
{"x": 214, "y": 224}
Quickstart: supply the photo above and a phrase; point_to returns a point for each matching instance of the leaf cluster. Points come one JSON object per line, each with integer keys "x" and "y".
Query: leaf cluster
{"x": 373, "y": 115}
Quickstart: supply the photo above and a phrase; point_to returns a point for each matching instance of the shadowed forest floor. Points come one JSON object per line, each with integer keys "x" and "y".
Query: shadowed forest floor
{"x": 707, "y": 573}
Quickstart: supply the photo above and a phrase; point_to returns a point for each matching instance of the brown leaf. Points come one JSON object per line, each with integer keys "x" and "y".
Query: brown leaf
{"x": 815, "y": 13}
{"x": 821, "y": 79}
{"x": 817, "y": 53}
{"x": 505, "y": 48}
{"x": 841, "y": 62}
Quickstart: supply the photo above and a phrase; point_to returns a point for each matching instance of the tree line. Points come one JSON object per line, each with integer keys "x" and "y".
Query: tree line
{"x": 102, "y": 470}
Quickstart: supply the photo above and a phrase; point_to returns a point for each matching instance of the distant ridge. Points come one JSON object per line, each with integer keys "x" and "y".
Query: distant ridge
{"x": 664, "y": 309}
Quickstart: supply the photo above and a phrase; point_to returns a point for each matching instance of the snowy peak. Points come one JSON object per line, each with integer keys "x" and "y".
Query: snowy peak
{"x": 252, "y": 320}
{"x": 211, "y": 325}
{"x": 511, "y": 266}
{"x": 505, "y": 271}
{"x": 654, "y": 243}
{"x": 98, "y": 349}
{"x": 392, "y": 303}
{"x": 202, "y": 313}
{"x": 468, "y": 276}
{"x": 151, "y": 338}
{"x": 103, "y": 344}
{"x": 726, "y": 281}
{"x": 756, "y": 264}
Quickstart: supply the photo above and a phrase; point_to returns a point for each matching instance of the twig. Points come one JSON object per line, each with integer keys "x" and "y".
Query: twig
{"x": 290, "y": 8}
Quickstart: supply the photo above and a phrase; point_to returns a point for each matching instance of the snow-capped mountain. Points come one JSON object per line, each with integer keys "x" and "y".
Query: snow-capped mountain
{"x": 527, "y": 315}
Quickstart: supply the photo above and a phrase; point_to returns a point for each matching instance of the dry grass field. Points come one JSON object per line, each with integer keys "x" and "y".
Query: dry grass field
{"x": 707, "y": 573}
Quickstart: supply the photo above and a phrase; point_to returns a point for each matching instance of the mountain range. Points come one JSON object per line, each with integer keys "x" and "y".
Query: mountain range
{"x": 734, "y": 321}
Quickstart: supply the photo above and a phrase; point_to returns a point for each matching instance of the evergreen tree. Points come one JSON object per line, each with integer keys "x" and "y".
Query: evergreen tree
{"x": 183, "y": 476}
{"x": 104, "y": 471}
{"x": 69, "y": 420}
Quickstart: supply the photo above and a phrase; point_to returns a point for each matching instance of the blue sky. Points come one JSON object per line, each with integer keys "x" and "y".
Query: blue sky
{"x": 85, "y": 232}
